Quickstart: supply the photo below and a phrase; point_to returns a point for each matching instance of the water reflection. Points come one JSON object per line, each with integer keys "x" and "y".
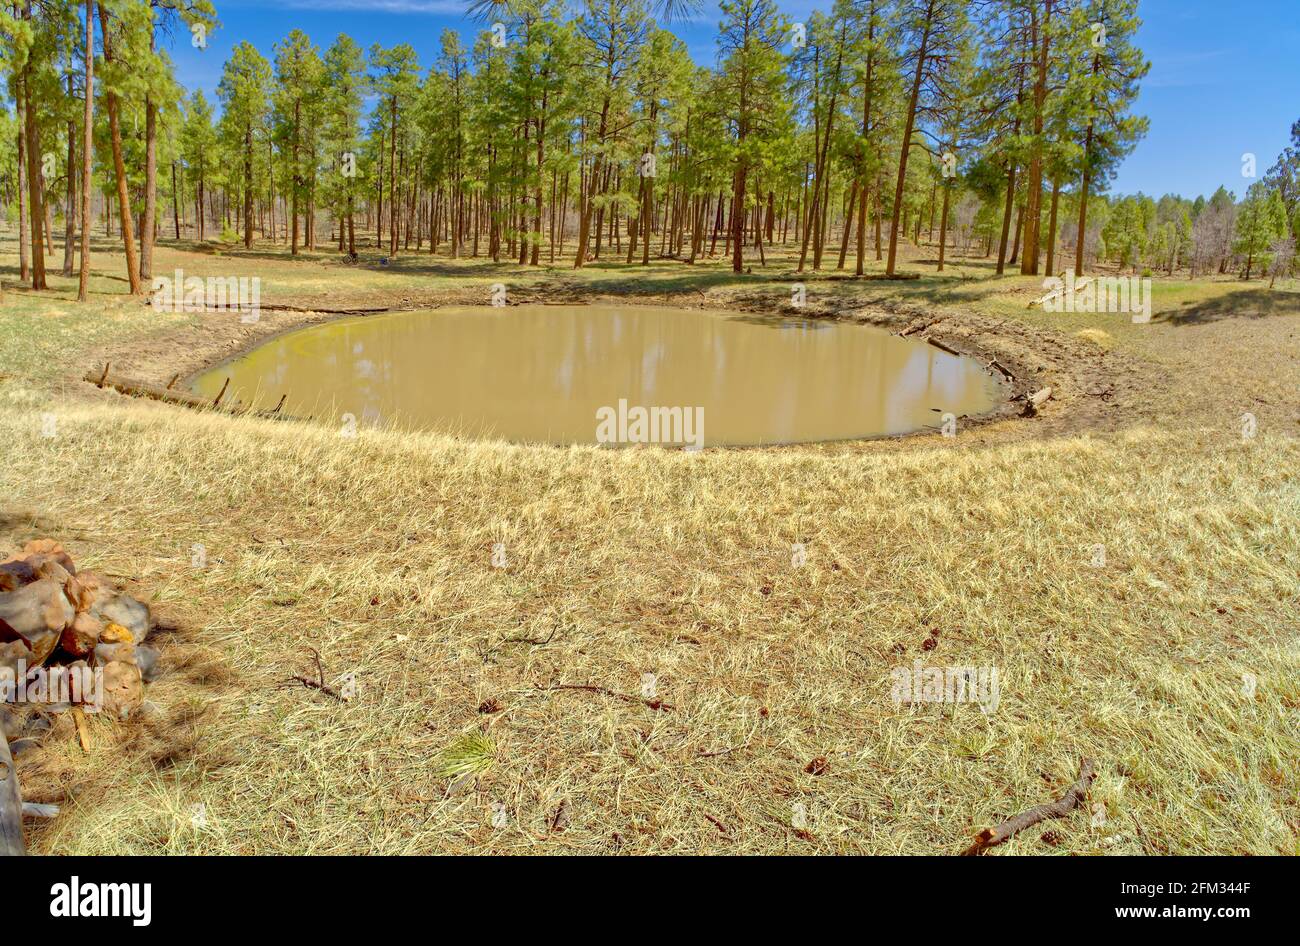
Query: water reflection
{"x": 539, "y": 373}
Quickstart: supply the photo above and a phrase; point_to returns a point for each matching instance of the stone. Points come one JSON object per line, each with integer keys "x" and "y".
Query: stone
{"x": 122, "y": 609}
{"x": 146, "y": 658}
{"x": 123, "y": 689}
{"x": 38, "y": 613}
{"x": 84, "y": 633}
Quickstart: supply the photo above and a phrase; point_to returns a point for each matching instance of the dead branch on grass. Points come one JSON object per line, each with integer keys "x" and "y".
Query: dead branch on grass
{"x": 319, "y": 683}
{"x": 534, "y": 641}
{"x": 1072, "y": 798}
{"x": 605, "y": 691}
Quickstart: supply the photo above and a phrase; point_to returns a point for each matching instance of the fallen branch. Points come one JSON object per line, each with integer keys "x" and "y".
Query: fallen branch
{"x": 604, "y": 691}
{"x": 913, "y": 329}
{"x": 319, "y": 683}
{"x": 83, "y": 732}
{"x": 1001, "y": 369}
{"x": 220, "y": 394}
{"x": 276, "y": 307}
{"x": 1058, "y": 292}
{"x": 1072, "y": 798}
{"x": 1035, "y": 401}
{"x": 941, "y": 346}
{"x": 134, "y": 388}
{"x": 534, "y": 641}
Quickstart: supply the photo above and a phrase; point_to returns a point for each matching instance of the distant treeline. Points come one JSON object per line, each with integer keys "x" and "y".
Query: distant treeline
{"x": 990, "y": 126}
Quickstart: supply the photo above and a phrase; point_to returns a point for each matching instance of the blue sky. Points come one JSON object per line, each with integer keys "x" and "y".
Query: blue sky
{"x": 1224, "y": 81}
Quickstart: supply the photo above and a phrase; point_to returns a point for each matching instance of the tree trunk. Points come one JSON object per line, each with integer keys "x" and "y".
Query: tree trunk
{"x": 87, "y": 146}
{"x": 119, "y": 166}
{"x": 392, "y": 180}
{"x": 907, "y": 137}
{"x": 1083, "y": 206}
{"x": 1006, "y": 217}
{"x": 176, "y": 204}
{"x": 1051, "y": 227}
{"x": 1020, "y": 229}
{"x": 1083, "y": 191}
{"x": 1034, "y": 198}
{"x": 248, "y": 186}
{"x": 848, "y": 224}
{"x": 148, "y": 231}
{"x": 293, "y": 181}
{"x": 70, "y": 201}
{"x": 35, "y": 199}
{"x": 943, "y": 226}
{"x": 24, "y": 222}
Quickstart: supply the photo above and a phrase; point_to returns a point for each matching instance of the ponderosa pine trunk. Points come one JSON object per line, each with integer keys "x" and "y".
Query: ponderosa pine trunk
{"x": 943, "y": 226}
{"x": 70, "y": 192}
{"x": 1051, "y": 227}
{"x": 24, "y": 224}
{"x": 119, "y": 165}
{"x": 909, "y": 124}
{"x": 87, "y": 148}
{"x": 35, "y": 199}
{"x": 149, "y": 227}
{"x": 1034, "y": 180}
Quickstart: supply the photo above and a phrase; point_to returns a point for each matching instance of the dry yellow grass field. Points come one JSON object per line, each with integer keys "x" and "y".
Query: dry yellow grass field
{"x": 1171, "y": 656}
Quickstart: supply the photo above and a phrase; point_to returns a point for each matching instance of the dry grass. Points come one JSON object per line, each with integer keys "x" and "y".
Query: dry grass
{"x": 377, "y": 551}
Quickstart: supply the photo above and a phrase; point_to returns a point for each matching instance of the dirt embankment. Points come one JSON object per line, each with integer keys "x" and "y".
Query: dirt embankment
{"x": 1091, "y": 388}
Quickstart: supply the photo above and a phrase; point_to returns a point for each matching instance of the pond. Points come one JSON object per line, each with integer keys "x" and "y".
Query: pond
{"x": 609, "y": 374}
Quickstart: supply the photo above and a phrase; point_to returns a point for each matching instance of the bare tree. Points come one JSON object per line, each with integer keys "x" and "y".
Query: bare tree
{"x": 1283, "y": 255}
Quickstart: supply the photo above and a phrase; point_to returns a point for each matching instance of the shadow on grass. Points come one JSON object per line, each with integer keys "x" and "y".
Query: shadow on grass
{"x": 1257, "y": 303}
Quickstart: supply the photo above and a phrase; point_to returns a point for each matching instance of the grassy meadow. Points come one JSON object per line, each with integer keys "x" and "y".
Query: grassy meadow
{"x": 502, "y": 704}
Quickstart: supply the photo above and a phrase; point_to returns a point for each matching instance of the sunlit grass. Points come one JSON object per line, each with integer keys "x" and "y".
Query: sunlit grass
{"x": 1171, "y": 659}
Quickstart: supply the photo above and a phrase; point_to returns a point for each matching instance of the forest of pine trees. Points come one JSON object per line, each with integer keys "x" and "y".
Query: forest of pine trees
{"x": 973, "y": 128}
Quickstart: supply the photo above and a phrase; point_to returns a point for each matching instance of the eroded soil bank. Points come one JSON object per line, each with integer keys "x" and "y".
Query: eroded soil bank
{"x": 1093, "y": 388}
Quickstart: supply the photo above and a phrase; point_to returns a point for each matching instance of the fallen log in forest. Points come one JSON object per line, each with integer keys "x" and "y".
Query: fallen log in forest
{"x": 1043, "y": 300}
{"x": 168, "y": 394}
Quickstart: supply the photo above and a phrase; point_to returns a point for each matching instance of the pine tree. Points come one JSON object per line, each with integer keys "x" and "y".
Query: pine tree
{"x": 243, "y": 93}
{"x": 198, "y": 143}
{"x": 751, "y": 95}
{"x": 394, "y": 78}
{"x": 298, "y": 86}
{"x": 935, "y": 31}
{"x": 1261, "y": 221}
{"x": 343, "y": 95}
{"x": 1109, "y": 87}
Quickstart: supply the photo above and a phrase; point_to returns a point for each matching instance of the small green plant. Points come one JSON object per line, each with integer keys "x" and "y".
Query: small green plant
{"x": 228, "y": 235}
{"x": 470, "y": 754}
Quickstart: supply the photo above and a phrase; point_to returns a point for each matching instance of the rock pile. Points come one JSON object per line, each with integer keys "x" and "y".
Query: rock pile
{"x": 90, "y": 633}
{"x": 70, "y": 642}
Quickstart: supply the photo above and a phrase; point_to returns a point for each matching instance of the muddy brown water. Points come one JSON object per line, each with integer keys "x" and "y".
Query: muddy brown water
{"x": 610, "y": 374}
